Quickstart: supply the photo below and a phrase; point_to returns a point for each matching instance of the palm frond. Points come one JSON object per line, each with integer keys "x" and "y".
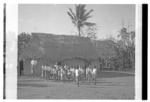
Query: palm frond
{"x": 88, "y": 13}
{"x": 72, "y": 13}
{"x": 85, "y": 18}
{"x": 82, "y": 10}
{"x": 71, "y": 16}
{"x": 89, "y": 24}
{"x": 77, "y": 8}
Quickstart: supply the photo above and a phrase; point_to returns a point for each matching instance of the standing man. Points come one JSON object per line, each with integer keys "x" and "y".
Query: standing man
{"x": 61, "y": 73}
{"x": 33, "y": 63}
{"x": 94, "y": 72}
{"x": 57, "y": 70}
{"x": 88, "y": 73}
{"x": 77, "y": 75}
{"x": 42, "y": 75}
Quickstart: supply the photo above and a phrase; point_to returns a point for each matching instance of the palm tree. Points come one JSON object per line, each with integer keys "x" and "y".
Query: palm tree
{"x": 80, "y": 16}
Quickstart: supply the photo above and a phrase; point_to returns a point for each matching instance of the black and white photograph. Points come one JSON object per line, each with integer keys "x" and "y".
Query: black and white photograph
{"x": 76, "y": 51}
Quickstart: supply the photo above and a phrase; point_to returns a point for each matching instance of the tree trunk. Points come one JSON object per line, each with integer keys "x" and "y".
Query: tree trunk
{"x": 79, "y": 31}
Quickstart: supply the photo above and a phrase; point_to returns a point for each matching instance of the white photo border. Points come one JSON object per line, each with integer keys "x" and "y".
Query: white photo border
{"x": 12, "y": 28}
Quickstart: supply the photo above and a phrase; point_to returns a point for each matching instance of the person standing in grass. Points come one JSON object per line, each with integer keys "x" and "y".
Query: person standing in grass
{"x": 77, "y": 76}
{"x": 94, "y": 72}
{"x": 61, "y": 73}
{"x": 88, "y": 73}
{"x": 33, "y": 64}
{"x": 57, "y": 69}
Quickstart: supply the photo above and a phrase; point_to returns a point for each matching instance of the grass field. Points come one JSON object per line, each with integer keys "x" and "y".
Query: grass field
{"x": 110, "y": 85}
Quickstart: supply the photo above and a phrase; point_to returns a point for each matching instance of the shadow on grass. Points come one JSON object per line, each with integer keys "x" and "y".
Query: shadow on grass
{"x": 32, "y": 85}
{"x": 113, "y": 74}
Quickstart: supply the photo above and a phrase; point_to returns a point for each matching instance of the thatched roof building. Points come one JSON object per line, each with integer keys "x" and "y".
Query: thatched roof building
{"x": 71, "y": 50}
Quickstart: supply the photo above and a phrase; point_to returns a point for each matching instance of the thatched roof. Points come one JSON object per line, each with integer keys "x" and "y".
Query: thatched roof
{"x": 59, "y": 47}
{"x": 66, "y": 47}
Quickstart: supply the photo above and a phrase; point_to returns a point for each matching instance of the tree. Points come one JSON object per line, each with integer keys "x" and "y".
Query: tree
{"x": 124, "y": 35}
{"x": 23, "y": 41}
{"x": 80, "y": 16}
{"x": 91, "y": 32}
{"x": 128, "y": 47}
{"x": 125, "y": 50}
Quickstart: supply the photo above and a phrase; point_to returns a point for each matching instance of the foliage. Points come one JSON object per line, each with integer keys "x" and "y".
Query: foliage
{"x": 125, "y": 48}
{"x": 23, "y": 41}
{"x": 80, "y": 16}
{"x": 91, "y": 32}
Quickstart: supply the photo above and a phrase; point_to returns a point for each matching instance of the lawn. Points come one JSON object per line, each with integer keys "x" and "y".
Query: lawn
{"x": 110, "y": 85}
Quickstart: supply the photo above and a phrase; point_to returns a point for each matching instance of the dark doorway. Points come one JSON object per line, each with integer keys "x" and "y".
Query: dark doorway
{"x": 21, "y": 67}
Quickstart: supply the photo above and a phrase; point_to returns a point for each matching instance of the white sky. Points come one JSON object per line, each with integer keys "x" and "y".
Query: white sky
{"x": 48, "y": 18}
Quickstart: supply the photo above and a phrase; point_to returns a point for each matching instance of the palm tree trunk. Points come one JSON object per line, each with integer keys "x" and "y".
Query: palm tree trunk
{"x": 79, "y": 31}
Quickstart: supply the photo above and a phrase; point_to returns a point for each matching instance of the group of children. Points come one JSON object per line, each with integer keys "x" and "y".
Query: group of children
{"x": 59, "y": 72}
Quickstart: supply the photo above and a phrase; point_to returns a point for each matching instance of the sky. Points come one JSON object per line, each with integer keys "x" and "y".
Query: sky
{"x": 53, "y": 18}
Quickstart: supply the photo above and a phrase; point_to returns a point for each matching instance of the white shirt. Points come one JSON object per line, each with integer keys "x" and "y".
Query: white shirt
{"x": 77, "y": 72}
{"x": 88, "y": 70}
{"x": 56, "y": 66}
{"x": 33, "y": 62}
{"x": 94, "y": 70}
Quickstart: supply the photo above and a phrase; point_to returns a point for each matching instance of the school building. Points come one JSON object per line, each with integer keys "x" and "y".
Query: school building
{"x": 48, "y": 49}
